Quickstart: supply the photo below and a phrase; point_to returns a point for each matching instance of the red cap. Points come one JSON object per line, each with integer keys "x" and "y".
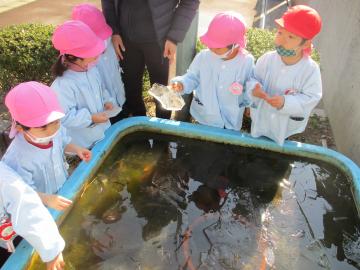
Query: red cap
{"x": 301, "y": 20}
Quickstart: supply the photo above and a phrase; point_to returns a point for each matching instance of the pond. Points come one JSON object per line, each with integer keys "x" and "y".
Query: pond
{"x": 165, "y": 202}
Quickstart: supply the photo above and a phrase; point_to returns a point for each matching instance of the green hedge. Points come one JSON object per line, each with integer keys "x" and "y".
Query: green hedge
{"x": 26, "y": 52}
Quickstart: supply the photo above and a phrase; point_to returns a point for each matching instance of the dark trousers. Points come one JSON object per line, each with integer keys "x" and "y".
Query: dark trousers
{"x": 136, "y": 57}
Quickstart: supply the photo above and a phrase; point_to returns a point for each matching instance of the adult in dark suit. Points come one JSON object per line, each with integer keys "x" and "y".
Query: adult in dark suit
{"x": 145, "y": 33}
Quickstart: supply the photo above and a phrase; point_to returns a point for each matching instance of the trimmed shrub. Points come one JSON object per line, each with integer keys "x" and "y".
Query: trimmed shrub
{"x": 26, "y": 53}
{"x": 259, "y": 41}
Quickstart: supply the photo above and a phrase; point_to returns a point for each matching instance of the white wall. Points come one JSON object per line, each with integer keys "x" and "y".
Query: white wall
{"x": 339, "y": 46}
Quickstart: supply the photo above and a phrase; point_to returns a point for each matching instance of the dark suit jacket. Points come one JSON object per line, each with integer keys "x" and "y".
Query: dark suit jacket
{"x": 171, "y": 18}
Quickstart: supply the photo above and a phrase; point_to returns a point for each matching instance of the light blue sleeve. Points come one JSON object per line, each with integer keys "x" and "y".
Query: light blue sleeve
{"x": 191, "y": 79}
{"x": 106, "y": 95}
{"x": 303, "y": 102}
{"x": 245, "y": 99}
{"x": 29, "y": 217}
{"x": 256, "y": 77}
{"x": 74, "y": 117}
{"x": 65, "y": 138}
{"x": 11, "y": 159}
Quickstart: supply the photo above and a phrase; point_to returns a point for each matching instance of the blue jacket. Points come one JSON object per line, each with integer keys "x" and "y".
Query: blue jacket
{"x": 82, "y": 94}
{"x": 277, "y": 78}
{"x": 210, "y": 78}
{"x": 110, "y": 72}
{"x": 45, "y": 170}
{"x": 29, "y": 217}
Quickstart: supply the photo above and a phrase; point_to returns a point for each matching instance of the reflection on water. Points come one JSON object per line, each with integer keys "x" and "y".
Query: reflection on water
{"x": 170, "y": 203}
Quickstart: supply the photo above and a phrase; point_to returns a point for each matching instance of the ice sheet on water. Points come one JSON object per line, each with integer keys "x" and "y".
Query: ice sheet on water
{"x": 352, "y": 246}
{"x": 169, "y": 99}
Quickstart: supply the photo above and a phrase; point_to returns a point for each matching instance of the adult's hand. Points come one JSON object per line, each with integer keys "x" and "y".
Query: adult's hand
{"x": 118, "y": 46}
{"x": 170, "y": 51}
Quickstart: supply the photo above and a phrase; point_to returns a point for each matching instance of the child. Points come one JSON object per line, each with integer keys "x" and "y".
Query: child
{"x": 218, "y": 75}
{"x": 22, "y": 213}
{"x": 37, "y": 150}
{"x": 79, "y": 85}
{"x": 287, "y": 83}
{"x": 108, "y": 65}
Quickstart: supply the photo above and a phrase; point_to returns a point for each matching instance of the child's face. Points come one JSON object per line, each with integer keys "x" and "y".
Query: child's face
{"x": 289, "y": 40}
{"x": 45, "y": 131}
{"x": 86, "y": 61}
{"x": 219, "y": 51}
{"x": 225, "y": 53}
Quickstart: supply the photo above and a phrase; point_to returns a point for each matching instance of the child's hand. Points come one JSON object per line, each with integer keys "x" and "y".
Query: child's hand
{"x": 259, "y": 92}
{"x": 177, "y": 86}
{"x": 54, "y": 201}
{"x": 56, "y": 264}
{"x": 276, "y": 101}
{"x": 100, "y": 117}
{"x": 108, "y": 106}
{"x": 84, "y": 154}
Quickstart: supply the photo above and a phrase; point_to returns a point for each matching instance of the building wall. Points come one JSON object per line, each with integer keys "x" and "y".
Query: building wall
{"x": 339, "y": 47}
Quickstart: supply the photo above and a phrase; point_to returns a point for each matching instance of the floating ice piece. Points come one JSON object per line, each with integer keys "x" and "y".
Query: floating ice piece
{"x": 269, "y": 256}
{"x": 169, "y": 99}
{"x": 324, "y": 261}
{"x": 299, "y": 234}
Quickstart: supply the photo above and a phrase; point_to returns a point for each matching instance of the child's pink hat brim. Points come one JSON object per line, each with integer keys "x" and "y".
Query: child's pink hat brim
{"x": 94, "y": 51}
{"x": 76, "y": 38}
{"x": 33, "y": 104}
{"x": 94, "y": 18}
{"x": 226, "y": 28}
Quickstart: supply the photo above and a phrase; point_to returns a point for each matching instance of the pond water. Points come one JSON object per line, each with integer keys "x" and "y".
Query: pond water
{"x": 161, "y": 202}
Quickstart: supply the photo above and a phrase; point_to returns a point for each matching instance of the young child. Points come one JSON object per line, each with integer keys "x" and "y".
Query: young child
{"x": 218, "y": 75}
{"x": 37, "y": 150}
{"x": 22, "y": 213}
{"x": 287, "y": 84}
{"x": 108, "y": 65}
{"x": 79, "y": 85}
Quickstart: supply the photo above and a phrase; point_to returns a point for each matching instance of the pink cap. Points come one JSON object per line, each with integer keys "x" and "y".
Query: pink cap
{"x": 76, "y": 38}
{"x": 225, "y": 29}
{"x": 32, "y": 104}
{"x": 94, "y": 18}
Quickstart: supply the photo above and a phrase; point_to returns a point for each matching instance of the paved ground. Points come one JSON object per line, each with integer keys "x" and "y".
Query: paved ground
{"x": 6, "y": 5}
{"x": 55, "y": 12}
{"x": 39, "y": 11}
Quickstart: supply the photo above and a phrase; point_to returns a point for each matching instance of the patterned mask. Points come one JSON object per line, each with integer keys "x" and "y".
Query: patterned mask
{"x": 284, "y": 52}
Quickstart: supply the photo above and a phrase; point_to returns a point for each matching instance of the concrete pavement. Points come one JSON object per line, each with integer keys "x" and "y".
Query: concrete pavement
{"x": 39, "y": 11}
{"x": 56, "y": 12}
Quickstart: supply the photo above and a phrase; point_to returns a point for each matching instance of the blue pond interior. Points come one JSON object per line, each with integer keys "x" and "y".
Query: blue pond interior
{"x": 164, "y": 202}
